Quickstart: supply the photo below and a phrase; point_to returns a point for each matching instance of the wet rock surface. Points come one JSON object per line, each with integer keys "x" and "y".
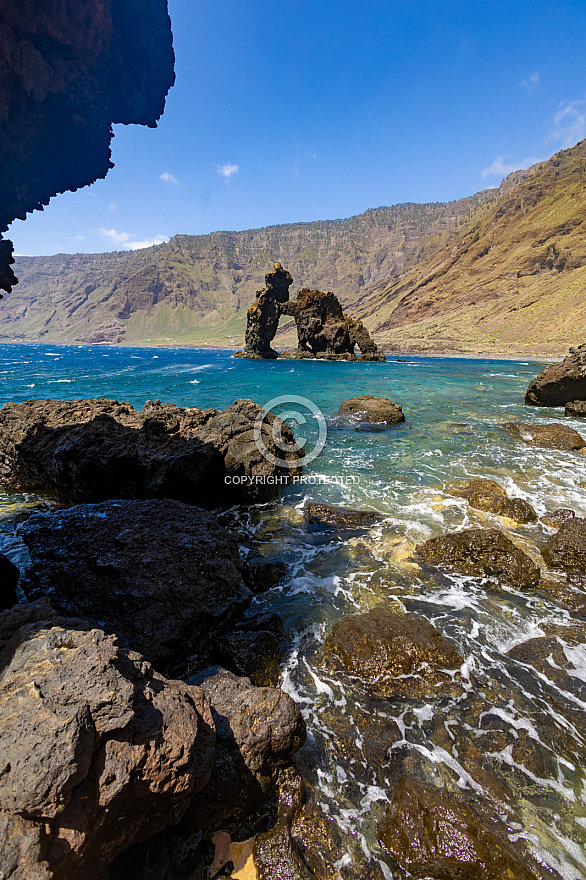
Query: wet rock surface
{"x": 430, "y": 833}
{"x": 341, "y": 517}
{"x": 557, "y": 518}
{"x": 373, "y": 409}
{"x": 576, "y": 409}
{"x": 560, "y": 383}
{"x": 490, "y": 496}
{"x": 554, "y": 436}
{"x": 483, "y": 553}
{"x": 93, "y": 450}
{"x": 401, "y": 656}
{"x": 567, "y": 548}
{"x": 261, "y": 575}
{"x": 98, "y": 751}
{"x": 161, "y": 574}
{"x": 9, "y": 577}
{"x": 275, "y": 855}
{"x": 68, "y": 73}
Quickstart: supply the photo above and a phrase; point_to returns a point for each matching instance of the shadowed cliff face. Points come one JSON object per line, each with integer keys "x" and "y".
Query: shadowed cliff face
{"x": 69, "y": 69}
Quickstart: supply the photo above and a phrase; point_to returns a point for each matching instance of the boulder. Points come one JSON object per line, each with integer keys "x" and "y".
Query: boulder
{"x": 576, "y": 408}
{"x": 9, "y": 578}
{"x": 261, "y": 575}
{"x": 275, "y": 854}
{"x": 164, "y": 576}
{"x": 560, "y": 383}
{"x": 567, "y": 548}
{"x": 428, "y": 833}
{"x": 94, "y": 450}
{"x": 555, "y": 519}
{"x": 491, "y": 497}
{"x": 373, "y": 409}
{"x": 553, "y": 436}
{"x": 98, "y": 751}
{"x": 401, "y": 656}
{"x": 342, "y": 517}
{"x": 483, "y": 553}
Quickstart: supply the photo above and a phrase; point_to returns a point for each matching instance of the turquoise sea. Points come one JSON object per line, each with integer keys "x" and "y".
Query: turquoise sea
{"x": 454, "y": 410}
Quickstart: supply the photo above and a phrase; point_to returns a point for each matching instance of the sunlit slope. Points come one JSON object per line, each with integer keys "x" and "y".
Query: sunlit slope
{"x": 513, "y": 282}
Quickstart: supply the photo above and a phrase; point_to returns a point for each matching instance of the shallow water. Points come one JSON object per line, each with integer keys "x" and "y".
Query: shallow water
{"x": 454, "y": 410}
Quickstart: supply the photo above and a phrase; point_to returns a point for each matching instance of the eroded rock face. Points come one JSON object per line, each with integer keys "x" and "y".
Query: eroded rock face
{"x": 491, "y": 497}
{"x": 275, "y": 854}
{"x": 97, "y": 750}
{"x": 262, "y": 318}
{"x": 93, "y": 450}
{"x": 162, "y": 575}
{"x": 429, "y": 833}
{"x": 567, "y": 548}
{"x": 576, "y": 408}
{"x": 554, "y": 436}
{"x": 373, "y": 409}
{"x": 402, "y": 656}
{"x": 560, "y": 383}
{"x": 68, "y": 72}
{"x": 484, "y": 553}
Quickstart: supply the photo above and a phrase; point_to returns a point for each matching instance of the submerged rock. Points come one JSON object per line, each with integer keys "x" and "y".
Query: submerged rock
{"x": 576, "y": 408}
{"x": 9, "y": 578}
{"x": 560, "y": 383}
{"x": 433, "y": 834}
{"x": 553, "y": 436}
{"x": 162, "y": 575}
{"x": 402, "y": 656}
{"x": 94, "y": 450}
{"x": 98, "y": 751}
{"x": 557, "y": 518}
{"x": 567, "y": 548}
{"x": 491, "y": 497}
{"x": 483, "y": 553}
{"x": 373, "y": 409}
{"x": 343, "y": 517}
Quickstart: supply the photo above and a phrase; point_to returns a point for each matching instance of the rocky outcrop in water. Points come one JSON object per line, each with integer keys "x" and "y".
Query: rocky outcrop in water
{"x": 340, "y": 517}
{"x": 483, "y": 553}
{"x": 93, "y": 450}
{"x": 98, "y": 751}
{"x": 323, "y": 330}
{"x": 556, "y": 518}
{"x": 68, "y": 72}
{"x": 490, "y": 496}
{"x": 401, "y": 656}
{"x": 560, "y": 383}
{"x": 567, "y": 548}
{"x": 553, "y": 436}
{"x": 162, "y": 575}
{"x": 378, "y": 410}
{"x": 576, "y": 409}
{"x": 431, "y": 833}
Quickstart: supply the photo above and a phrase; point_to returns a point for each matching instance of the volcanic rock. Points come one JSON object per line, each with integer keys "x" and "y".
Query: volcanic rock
{"x": 490, "y": 496}
{"x": 9, "y": 578}
{"x": 576, "y": 408}
{"x": 557, "y": 518}
{"x": 275, "y": 854}
{"x": 162, "y": 575}
{"x": 483, "y": 553}
{"x": 373, "y": 409}
{"x": 262, "y": 319}
{"x": 553, "y": 436}
{"x": 97, "y": 750}
{"x": 400, "y": 656}
{"x": 68, "y": 72}
{"x": 567, "y": 548}
{"x": 560, "y": 383}
{"x": 261, "y": 574}
{"x": 431, "y": 833}
{"x": 94, "y": 450}
{"x": 343, "y": 517}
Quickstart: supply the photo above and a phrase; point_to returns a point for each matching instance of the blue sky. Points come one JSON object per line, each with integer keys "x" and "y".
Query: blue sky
{"x": 296, "y": 110}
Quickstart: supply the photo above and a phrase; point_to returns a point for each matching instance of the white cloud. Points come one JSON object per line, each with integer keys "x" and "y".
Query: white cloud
{"x": 112, "y": 206}
{"x": 114, "y": 236}
{"x": 149, "y": 242}
{"x": 169, "y": 178}
{"x": 78, "y": 237}
{"x": 531, "y": 82}
{"x": 227, "y": 170}
{"x": 500, "y": 168}
{"x": 570, "y": 123}
{"x": 126, "y": 239}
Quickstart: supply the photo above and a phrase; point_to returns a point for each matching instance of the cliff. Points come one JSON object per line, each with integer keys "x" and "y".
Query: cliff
{"x": 69, "y": 70}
